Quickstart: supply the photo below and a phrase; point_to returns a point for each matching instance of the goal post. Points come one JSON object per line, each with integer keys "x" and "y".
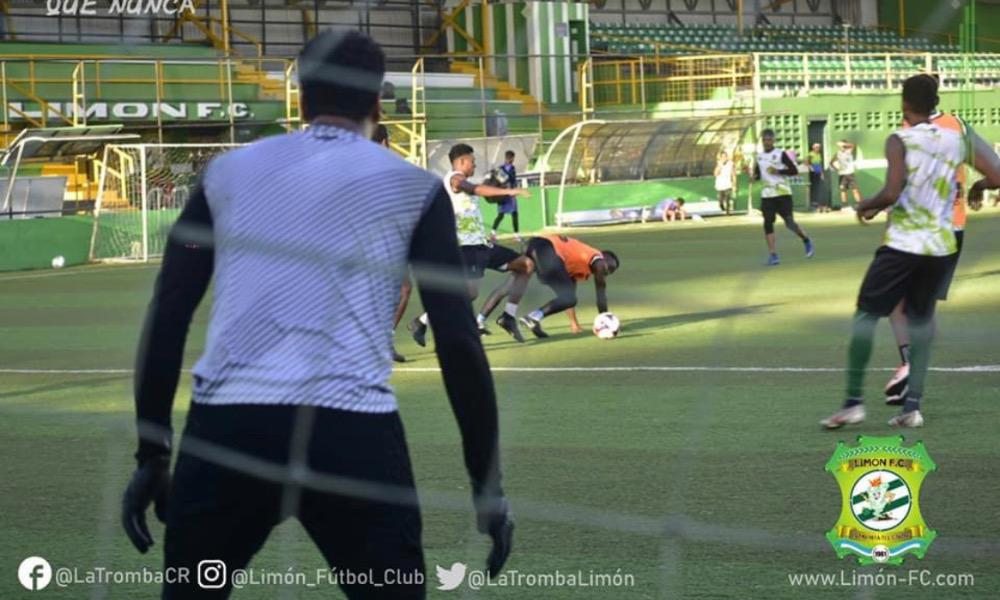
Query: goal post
{"x": 142, "y": 189}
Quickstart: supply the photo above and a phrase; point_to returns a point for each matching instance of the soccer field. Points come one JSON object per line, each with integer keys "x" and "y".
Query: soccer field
{"x": 685, "y": 454}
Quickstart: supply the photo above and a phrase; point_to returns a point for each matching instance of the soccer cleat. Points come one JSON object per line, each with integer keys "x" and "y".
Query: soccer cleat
{"x": 534, "y": 326}
{"x": 810, "y": 249}
{"x": 509, "y": 324}
{"x": 851, "y": 415}
{"x": 397, "y": 357}
{"x": 419, "y": 332}
{"x": 895, "y": 390}
{"x": 773, "y": 261}
{"x": 908, "y": 419}
{"x": 483, "y": 330}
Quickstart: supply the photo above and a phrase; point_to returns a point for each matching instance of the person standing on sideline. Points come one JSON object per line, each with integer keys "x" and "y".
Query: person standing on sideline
{"x": 292, "y": 414}
{"x": 508, "y": 206}
{"x": 814, "y": 162}
{"x": 845, "y": 164}
{"x": 773, "y": 168}
{"x": 725, "y": 182}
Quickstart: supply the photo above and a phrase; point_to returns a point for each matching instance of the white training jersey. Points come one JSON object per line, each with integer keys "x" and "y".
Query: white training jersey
{"x": 724, "y": 180}
{"x": 468, "y": 216}
{"x": 922, "y": 220}
{"x": 846, "y": 163}
{"x": 774, "y": 184}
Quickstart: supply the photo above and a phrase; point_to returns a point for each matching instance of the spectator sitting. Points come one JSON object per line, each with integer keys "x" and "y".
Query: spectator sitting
{"x": 672, "y": 209}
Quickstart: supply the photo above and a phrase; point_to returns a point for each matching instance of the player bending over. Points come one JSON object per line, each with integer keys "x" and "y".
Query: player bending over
{"x": 773, "y": 169}
{"x": 479, "y": 252}
{"x": 920, "y": 244}
{"x": 561, "y": 262}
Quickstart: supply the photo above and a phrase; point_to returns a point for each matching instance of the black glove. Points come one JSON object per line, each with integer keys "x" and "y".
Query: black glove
{"x": 493, "y": 517}
{"x": 150, "y": 484}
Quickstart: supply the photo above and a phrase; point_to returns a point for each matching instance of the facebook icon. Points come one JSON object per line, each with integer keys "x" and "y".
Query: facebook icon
{"x": 34, "y": 573}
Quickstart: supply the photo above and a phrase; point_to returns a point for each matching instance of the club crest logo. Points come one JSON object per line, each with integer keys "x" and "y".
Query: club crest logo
{"x": 880, "y": 520}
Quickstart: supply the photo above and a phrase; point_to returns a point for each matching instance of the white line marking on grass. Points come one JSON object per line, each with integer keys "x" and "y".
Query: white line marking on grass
{"x": 82, "y": 270}
{"x": 677, "y": 369}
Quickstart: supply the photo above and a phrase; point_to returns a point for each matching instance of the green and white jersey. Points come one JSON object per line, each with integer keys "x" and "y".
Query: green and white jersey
{"x": 921, "y": 221}
{"x": 774, "y": 184}
{"x": 468, "y": 216}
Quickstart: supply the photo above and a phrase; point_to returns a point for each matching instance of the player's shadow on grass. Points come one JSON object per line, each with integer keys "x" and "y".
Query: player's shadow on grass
{"x": 652, "y": 324}
{"x": 55, "y": 387}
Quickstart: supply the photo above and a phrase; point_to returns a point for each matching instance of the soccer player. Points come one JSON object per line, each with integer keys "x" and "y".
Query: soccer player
{"x": 897, "y": 386}
{"x": 561, "y": 262}
{"x": 292, "y": 414}
{"x": 479, "y": 252}
{"x": 844, "y": 163}
{"x": 919, "y": 247}
{"x": 773, "y": 168}
{"x": 672, "y": 209}
{"x": 725, "y": 181}
{"x": 508, "y": 205}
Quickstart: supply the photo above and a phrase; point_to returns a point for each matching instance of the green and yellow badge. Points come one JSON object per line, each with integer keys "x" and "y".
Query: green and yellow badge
{"x": 880, "y": 518}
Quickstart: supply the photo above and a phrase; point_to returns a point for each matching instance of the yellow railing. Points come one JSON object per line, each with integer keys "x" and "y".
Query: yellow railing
{"x": 646, "y": 80}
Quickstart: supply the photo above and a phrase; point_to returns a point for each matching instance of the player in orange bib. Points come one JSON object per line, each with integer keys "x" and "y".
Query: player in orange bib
{"x": 561, "y": 262}
{"x": 898, "y": 384}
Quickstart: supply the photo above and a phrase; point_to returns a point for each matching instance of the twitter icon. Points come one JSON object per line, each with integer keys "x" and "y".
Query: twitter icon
{"x": 450, "y": 578}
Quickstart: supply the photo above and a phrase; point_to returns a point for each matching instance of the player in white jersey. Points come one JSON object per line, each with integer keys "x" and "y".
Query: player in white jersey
{"x": 479, "y": 252}
{"x": 919, "y": 246}
{"x": 773, "y": 167}
{"x": 845, "y": 164}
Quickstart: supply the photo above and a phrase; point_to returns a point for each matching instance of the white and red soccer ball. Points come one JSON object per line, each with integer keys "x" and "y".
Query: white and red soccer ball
{"x": 607, "y": 326}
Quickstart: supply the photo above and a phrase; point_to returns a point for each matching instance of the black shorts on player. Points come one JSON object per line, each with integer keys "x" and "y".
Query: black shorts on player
{"x": 779, "y": 206}
{"x": 848, "y": 182}
{"x": 952, "y": 265}
{"x": 894, "y": 275}
{"x": 551, "y": 271}
{"x": 477, "y": 259}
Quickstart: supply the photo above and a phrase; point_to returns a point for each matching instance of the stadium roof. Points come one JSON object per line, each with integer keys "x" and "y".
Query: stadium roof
{"x": 55, "y": 142}
{"x": 598, "y": 151}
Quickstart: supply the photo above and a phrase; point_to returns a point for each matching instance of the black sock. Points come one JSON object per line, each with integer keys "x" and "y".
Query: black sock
{"x": 904, "y": 353}
{"x": 852, "y": 402}
{"x": 912, "y": 403}
{"x": 805, "y": 240}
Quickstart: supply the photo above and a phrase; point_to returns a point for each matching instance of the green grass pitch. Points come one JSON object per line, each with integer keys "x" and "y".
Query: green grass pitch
{"x": 700, "y": 482}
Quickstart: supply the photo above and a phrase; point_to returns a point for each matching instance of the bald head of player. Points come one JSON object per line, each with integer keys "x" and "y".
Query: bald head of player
{"x": 340, "y": 77}
{"x": 920, "y": 98}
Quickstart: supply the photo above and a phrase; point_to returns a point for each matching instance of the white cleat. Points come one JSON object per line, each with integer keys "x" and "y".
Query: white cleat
{"x": 910, "y": 419}
{"x": 896, "y": 388}
{"x": 845, "y": 416}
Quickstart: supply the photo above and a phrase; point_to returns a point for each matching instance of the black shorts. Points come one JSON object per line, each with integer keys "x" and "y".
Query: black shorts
{"x": 549, "y": 268}
{"x": 894, "y": 276}
{"x": 848, "y": 182}
{"x": 479, "y": 258}
{"x": 223, "y": 505}
{"x": 952, "y": 265}
{"x": 779, "y": 205}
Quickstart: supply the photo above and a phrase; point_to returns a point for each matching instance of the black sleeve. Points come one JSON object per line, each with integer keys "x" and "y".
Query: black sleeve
{"x": 184, "y": 276}
{"x": 756, "y": 171}
{"x": 790, "y": 167}
{"x": 437, "y": 267}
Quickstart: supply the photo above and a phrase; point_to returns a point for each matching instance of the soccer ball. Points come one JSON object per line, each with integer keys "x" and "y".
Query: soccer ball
{"x": 58, "y": 262}
{"x": 606, "y": 326}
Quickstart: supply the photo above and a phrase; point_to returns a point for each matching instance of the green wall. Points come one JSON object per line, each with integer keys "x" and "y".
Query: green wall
{"x": 937, "y": 19}
{"x": 33, "y": 243}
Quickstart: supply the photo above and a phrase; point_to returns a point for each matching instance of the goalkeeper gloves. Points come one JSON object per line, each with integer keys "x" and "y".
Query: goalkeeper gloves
{"x": 149, "y": 485}
{"x": 493, "y": 517}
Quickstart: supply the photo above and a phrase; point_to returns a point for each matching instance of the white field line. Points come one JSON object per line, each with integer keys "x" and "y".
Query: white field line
{"x": 635, "y": 369}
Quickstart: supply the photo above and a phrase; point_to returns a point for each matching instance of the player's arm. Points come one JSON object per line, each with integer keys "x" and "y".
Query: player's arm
{"x": 184, "y": 277}
{"x": 756, "y": 171}
{"x": 437, "y": 267}
{"x": 600, "y": 270}
{"x": 986, "y": 161}
{"x": 895, "y": 181}
{"x": 790, "y": 167}
{"x": 491, "y": 193}
{"x": 574, "y": 325}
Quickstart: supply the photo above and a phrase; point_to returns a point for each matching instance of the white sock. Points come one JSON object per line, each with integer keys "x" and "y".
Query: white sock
{"x": 480, "y": 320}
{"x": 536, "y": 315}
{"x": 511, "y": 309}
{"x": 423, "y": 318}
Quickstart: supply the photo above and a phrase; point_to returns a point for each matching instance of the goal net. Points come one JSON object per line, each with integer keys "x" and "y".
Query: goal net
{"x": 142, "y": 189}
